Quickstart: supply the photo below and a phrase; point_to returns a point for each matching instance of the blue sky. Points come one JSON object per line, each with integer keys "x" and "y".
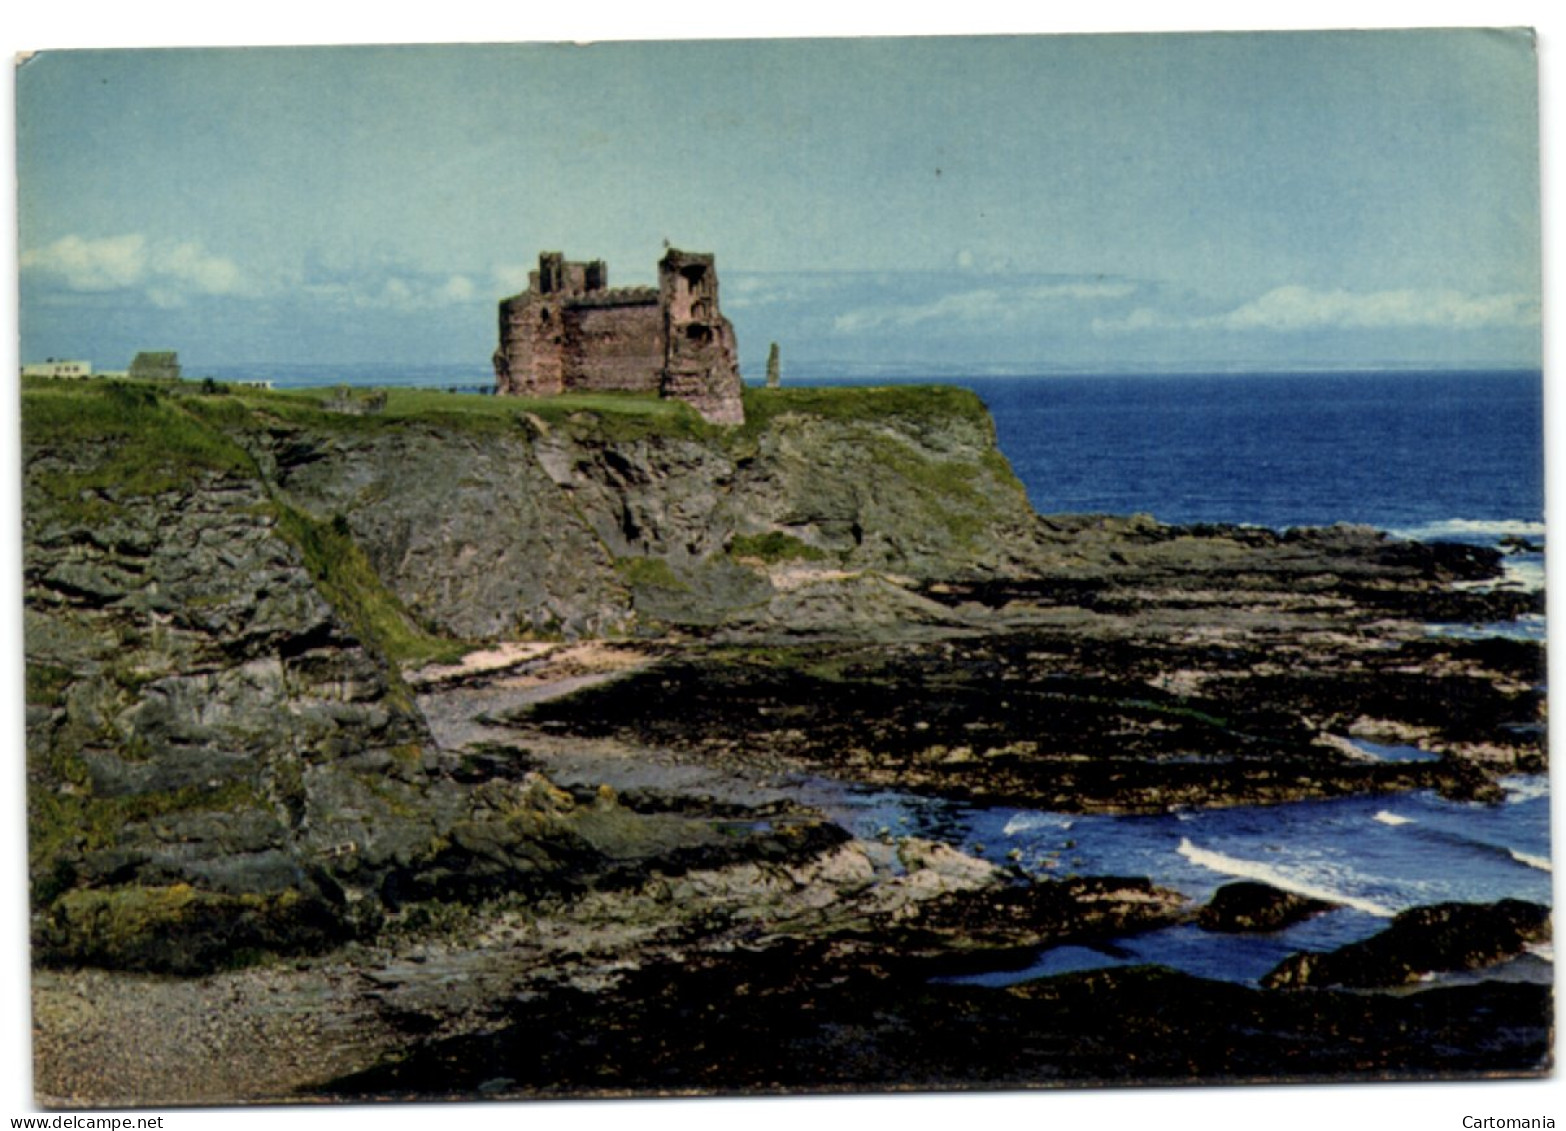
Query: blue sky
{"x": 1026, "y": 204}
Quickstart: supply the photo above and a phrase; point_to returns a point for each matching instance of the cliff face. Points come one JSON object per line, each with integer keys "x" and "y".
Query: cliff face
{"x": 220, "y": 591}
{"x": 585, "y": 523}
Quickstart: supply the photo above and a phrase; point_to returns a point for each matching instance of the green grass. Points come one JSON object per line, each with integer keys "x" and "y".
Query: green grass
{"x": 46, "y": 684}
{"x": 67, "y": 410}
{"x": 194, "y": 422}
{"x": 775, "y": 546}
{"x": 951, "y": 490}
{"x": 616, "y": 416}
{"x": 133, "y": 438}
{"x": 928, "y": 404}
{"x": 59, "y": 824}
{"x": 613, "y": 416}
{"x": 649, "y": 573}
{"x": 180, "y": 929}
{"x": 347, "y": 579}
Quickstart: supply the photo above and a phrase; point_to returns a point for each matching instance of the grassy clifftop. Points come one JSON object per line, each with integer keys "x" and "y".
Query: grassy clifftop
{"x": 609, "y": 415}
{"x": 427, "y": 516}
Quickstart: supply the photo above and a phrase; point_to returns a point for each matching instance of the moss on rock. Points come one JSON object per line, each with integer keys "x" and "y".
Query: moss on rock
{"x": 179, "y": 929}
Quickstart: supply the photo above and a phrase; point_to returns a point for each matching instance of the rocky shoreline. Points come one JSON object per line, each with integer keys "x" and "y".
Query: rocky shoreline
{"x": 627, "y": 983}
{"x": 294, "y": 839}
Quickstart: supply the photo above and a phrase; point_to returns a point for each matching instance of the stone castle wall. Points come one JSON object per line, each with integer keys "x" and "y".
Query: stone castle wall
{"x": 570, "y": 332}
{"x": 615, "y": 346}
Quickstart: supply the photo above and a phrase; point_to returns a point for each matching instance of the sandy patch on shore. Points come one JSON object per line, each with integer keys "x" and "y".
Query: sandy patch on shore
{"x": 483, "y": 662}
{"x": 571, "y": 662}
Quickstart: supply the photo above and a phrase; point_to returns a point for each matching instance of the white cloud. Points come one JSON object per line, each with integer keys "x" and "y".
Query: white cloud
{"x": 983, "y": 306}
{"x": 91, "y": 265}
{"x": 458, "y": 289}
{"x": 1300, "y": 308}
{"x": 170, "y": 272}
{"x": 1294, "y": 308}
{"x": 203, "y": 273}
{"x": 404, "y": 290}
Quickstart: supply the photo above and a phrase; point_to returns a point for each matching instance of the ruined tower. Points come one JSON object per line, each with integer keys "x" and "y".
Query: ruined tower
{"x": 699, "y": 364}
{"x": 571, "y": 332}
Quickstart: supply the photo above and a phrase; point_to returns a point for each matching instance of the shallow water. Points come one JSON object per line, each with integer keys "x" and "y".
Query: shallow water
{"x": 1374, "y": 855}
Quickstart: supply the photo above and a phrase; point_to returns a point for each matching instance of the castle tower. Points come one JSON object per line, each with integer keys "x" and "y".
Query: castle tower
{"x": 700, "y": 359}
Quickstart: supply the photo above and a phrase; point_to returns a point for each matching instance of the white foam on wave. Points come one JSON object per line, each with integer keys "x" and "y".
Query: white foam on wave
{"x": 1253, "y": 870}
{"x": 1542, "y": 950}
{"x": 1525, "y": 787}
{"x": 1392, "y": 819}
{"x": 1524, "y": 573}
{"x": 1027, "y": 822}
{"x": 1473, "y": 528}
{"x": 1540, "y": 862}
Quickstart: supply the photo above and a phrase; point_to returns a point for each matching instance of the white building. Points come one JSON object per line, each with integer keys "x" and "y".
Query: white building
{"x": 52, "y": 367}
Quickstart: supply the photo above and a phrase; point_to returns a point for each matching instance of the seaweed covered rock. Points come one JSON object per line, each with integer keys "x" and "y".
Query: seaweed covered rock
{"x": 996, "y": 926}
{"x": 1423, "y": 940}
{"x": 178, "y": 929}
{"x": 1251, "y": 906}
{"x": 532, "y": 838}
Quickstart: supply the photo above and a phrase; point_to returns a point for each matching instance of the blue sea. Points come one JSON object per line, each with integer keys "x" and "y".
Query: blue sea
{"x": 1455, "y": 456}
{"x": 1399, "y": 450}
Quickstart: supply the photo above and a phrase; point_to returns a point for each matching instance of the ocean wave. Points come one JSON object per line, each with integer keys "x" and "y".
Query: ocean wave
{"x": 1529, "y": 626}
{"x": 1027, "y": 822}
{"x": 1392, "y": 819}
{"x": 1253, "y": 870}
{"x": 1528, "y": 858}
{"x": 1525, "y": 787}
{"x": 1468, "y": 528}
{"x": 1525, "y": 572}
{"x": 1542, "y": 950}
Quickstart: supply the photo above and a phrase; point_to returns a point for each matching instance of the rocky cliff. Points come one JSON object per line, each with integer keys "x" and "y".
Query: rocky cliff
{"x": 223, "y": 757}
{"x": 632, "y": 515}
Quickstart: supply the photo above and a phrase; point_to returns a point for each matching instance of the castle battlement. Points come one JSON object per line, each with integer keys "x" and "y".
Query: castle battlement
{"x": 619, "y": 296}
{"x": 571, "y": 332}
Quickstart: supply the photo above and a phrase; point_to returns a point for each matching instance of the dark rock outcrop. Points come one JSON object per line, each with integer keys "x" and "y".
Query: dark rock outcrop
{"x": 795, "y": 1018}
{"x": 1250, "y": 906}
{"x": 1091, "y": 713}
{"x": 1439, "y": 938}
{"x": 994, "y": 927}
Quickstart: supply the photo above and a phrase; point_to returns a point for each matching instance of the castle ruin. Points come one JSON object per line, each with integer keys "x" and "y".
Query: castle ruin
{"x": 571, "y": 332}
